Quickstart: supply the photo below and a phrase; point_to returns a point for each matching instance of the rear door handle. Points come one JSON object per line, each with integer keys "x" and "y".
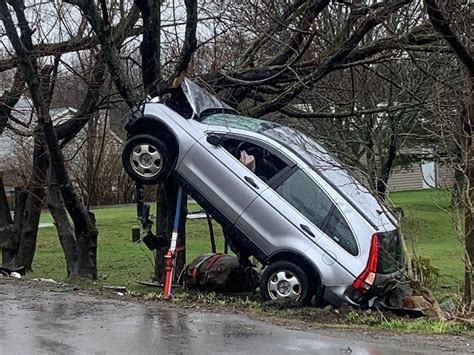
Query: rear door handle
{"x": 251, "y": 181}
{"x": 307, "y": 230}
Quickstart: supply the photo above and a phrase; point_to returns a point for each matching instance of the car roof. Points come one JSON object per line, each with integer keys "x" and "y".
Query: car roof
{"x": 315, "y": 156}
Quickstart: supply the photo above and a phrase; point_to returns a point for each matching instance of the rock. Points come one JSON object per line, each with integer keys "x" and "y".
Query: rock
{"x": 45, "y": 280}
{"x": 448, "y": 305}
{"x": 15, "y": 275}
{"x": 280, "y": 303}
{"x": 420, "y": 303}
{"x": 114, "y": 288}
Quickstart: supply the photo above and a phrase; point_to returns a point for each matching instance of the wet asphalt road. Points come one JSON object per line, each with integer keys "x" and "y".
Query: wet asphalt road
{"x": 34, "y": 320}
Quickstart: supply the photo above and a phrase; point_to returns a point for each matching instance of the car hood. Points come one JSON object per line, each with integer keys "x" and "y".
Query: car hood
{"x": 203, "y": 102}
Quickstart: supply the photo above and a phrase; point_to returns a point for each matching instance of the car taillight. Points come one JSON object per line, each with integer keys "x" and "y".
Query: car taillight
{"x": 367, "y": 278}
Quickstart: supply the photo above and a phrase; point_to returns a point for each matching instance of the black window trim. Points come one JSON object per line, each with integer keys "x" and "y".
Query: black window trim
{"x": 256, "y": 141}
{"x": 325, "y": 226}
{"x": 348, "y": 200}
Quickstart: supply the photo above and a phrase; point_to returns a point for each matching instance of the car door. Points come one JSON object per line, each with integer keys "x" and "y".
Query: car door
{"x": 275, "y": 220}
{"x": 220, "y": 178}
{"x": 307, "y": 207}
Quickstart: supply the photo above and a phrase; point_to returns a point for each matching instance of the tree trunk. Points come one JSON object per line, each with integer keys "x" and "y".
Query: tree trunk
{"x": 34, "y": 203}
{"x": 84, "y": 221}
{"x": 387, "y": 162}
{"x": 11, "y": 245}
{"x": 91, "y": 163}
{"x": 468, "y": 134}
{"x": 370, "y": 154}
{"x": 64, "y": 229}
{"x": 6, "y": 221}
{"x": 87, "y": 249}
{"x": 165, "y": 207}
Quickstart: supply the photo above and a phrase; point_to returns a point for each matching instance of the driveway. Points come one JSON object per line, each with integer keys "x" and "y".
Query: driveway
{"x": 38, "y": 320}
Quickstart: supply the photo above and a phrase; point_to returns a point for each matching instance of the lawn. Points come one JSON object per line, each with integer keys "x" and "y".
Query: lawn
{"x": 428, "y": 226}
{"x": 121, "y": 262}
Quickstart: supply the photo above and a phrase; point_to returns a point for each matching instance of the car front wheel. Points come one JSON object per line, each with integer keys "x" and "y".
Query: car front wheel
{"x": 285, "y": 280}
{"x": 146, "y": 159}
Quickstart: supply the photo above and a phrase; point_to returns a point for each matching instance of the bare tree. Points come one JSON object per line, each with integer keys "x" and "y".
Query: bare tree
{"x": 442, "y": 24}
{"x": 19, "y": 246}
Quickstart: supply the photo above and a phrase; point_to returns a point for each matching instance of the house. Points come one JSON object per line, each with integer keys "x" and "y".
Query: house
{"x": 424, "y": 175}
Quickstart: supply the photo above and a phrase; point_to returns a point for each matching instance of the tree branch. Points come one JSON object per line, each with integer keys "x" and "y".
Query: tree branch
{"x": 189, "y": 45}
{"x": 442, "y": 25}
{"x": 353, "y": 113}
{"x": 10, "y": 98}
{"x": 150, "y": 47}
{"x": 103, "y": 31}
{"x": 294, "y": 89}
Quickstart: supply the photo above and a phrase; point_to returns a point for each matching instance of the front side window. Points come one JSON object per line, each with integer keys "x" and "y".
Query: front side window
{"x": 255, "y": 157}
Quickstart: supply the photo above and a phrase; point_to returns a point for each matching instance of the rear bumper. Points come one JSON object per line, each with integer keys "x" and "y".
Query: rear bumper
{"x": 339, "y": 294}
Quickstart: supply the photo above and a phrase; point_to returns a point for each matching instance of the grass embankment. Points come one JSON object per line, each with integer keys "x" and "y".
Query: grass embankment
{"x": 428, "y": 227}
{"x": 121, "y": 262}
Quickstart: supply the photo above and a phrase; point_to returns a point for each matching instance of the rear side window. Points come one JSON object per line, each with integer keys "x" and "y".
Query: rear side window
{"x": 307, "y": 197}
{"x": 339, "y": 231}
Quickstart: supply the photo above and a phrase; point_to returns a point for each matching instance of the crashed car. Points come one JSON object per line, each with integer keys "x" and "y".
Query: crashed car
{"x": 278, "y": 194}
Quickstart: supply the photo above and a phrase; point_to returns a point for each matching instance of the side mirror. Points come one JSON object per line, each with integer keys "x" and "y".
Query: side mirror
{"x": 214, "y": 139}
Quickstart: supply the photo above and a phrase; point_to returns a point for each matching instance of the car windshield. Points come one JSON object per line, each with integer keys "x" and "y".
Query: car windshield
{"x": 316, "y": 156}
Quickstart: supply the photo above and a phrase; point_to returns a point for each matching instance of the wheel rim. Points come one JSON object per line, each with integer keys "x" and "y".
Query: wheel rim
{"x": 284, "y": 284}
{"x": 146, "y": 160}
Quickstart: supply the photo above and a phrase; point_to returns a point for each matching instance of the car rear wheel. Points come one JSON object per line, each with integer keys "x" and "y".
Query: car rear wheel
{"x": 285, "y": 280}
{"x": 146, "y": 159}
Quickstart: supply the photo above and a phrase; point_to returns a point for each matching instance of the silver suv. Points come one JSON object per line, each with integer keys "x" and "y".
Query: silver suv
{"x": 315, "y": 228}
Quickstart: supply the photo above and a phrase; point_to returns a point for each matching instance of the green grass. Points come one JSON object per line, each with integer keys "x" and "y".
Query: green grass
{"x": 428, "y": 226}
{"x": 121, "y": 262}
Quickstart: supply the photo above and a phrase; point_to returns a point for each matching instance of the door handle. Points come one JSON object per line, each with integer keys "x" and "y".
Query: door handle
{"x": 307, "y": 230}
{"x": 251, "y": 181}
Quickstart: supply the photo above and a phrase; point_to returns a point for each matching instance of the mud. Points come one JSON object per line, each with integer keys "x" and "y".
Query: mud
{"x": 52, "y": 319}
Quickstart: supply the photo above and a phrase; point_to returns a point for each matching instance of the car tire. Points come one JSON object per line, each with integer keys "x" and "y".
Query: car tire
{"x": 285, "y": 280}
{"x": 318, "y": 299}
{"x": 146, "y": 159}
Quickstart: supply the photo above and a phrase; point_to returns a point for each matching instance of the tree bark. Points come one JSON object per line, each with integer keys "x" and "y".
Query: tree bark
{"x": 34, "y": 203}
{"x": 468, "y": 124}
{"x": 11, "y": 245}
{"x": 442, "y": 24}
{"x": 387, "y": 162}
{"x": 64, "y": 228}
{"x": 6, "y": 221}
